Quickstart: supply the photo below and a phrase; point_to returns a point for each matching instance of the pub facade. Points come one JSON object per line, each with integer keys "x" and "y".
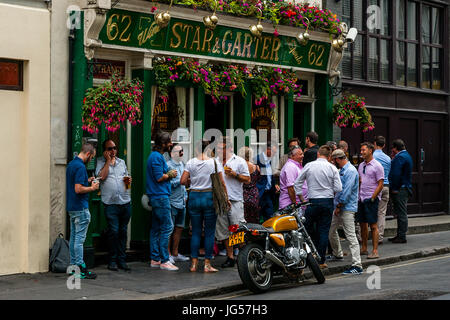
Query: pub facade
{"x": 133, "y": 40}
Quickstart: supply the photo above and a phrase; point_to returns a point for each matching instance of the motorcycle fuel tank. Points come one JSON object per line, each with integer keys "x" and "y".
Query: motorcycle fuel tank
{"x": 282, "y": 223}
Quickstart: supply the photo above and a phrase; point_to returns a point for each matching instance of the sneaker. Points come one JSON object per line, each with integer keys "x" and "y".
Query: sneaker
{"x": 155, "y": 264}
{"x": 171, "y": 259}
{"x": 168, "y": 266}
{"x": 334, "y": 258}
{"x": 85, "y": 274}
{"x": 180, "y": 257}
{"x": 223, "y": 252}
{"x": 229, "y": 263}
{"x": 353, "y": 270}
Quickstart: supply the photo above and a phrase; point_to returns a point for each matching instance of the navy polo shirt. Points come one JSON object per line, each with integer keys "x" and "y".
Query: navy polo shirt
{"x": 76, "y": 174}
{"x": 156, "y": 168}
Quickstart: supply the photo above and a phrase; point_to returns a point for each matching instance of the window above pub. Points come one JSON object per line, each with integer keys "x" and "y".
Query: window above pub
{"x": 399, "y": 43}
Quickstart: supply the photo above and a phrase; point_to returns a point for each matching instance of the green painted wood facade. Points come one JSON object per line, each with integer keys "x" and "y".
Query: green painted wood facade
{"x": 140, "y": 147}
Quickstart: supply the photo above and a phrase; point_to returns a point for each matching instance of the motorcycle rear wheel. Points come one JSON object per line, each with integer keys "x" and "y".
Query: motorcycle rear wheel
{"x": 314, "y": 266}
{"x": 254, "y": 277}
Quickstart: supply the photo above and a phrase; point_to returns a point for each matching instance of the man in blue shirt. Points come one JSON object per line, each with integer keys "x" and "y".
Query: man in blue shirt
{"x": 177, "y": 203}
{"x": 401, "y": 187}
{"x": 158, "y": 191}
{"x": 77, "y": 203}
{"x": 385, "y": 161}
{"x": 346, "y": 204}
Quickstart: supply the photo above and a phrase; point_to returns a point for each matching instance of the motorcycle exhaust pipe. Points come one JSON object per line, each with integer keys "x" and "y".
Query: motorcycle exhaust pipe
{"x": 274, "y": 259}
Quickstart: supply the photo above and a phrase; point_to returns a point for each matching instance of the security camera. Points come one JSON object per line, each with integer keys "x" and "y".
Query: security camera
{"x": 351, "y": 35}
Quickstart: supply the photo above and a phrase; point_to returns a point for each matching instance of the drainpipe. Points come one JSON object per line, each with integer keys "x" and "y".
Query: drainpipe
{"x": 70, "y": 102}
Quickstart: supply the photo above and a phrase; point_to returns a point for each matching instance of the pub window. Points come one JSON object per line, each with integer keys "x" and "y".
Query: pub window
{"x": 172, "y": 115}
{"x": 11, "y": 75}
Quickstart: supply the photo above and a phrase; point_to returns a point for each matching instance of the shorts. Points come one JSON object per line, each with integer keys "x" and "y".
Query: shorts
{"x": 367, "y": 211}
{"x": 234, "y": 216}
{"x": 178, "y": 216}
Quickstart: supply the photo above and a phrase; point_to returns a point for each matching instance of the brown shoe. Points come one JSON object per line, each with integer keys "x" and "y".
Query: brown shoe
{"x": 363, "y": 253}
{"x": 323, "y": 266}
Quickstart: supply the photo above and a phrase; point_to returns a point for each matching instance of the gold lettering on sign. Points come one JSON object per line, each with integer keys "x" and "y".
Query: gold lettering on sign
{"x": 112, "y": 27}
{"x": 247, "y": 46}
{"x": 216, "y": 48}
{"x": 196, "y": 39}
{"x": 122, "y": 35}
{"x": 315, "y": 55}
{"x": 276, "y": 45}
{"x": 148, "y": 32}
{"x": 256, "y": 48}
{"x": 207, "y": 41}
{"x": 188, "y": 28}
{"x": 265, "y": 48}
{"x": 177, "y": 35}
{"x": 228, "y": 50}
{"x": 237, "y": 45}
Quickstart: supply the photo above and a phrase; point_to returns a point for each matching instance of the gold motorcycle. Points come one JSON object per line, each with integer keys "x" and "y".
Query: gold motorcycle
{"x": 280, "y": 246}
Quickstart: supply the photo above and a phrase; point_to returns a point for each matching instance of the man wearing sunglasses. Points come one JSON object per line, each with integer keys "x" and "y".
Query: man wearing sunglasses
{"x": 113, "y": 174}
{"x": 371, "y": 180}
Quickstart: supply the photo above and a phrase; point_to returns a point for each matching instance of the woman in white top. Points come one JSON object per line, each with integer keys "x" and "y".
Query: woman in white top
{"x": 196, "y": 175}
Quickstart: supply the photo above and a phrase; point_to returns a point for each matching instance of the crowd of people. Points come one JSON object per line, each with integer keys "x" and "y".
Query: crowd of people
{"x": 340, "y": 193}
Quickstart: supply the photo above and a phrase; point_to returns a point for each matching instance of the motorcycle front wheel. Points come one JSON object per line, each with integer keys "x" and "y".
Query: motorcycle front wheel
{"x": 314, "y": 266}
{"x": 256, "y": 278}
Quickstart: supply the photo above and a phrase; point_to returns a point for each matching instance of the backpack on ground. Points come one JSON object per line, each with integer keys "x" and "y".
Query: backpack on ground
{"x": 60, "y": 255}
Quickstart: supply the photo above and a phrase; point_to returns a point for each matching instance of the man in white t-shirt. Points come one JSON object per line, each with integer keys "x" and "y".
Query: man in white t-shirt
{"x": 235, "y": 172}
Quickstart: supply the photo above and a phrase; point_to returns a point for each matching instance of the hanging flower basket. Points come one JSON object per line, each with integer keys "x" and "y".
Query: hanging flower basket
{"x": 113, "y": 103}
{"x": 218, "y": 79}
{"x": 350, "y": 112}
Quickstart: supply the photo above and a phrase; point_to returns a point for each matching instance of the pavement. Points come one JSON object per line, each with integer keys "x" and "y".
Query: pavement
{"x": 428, "y": 236}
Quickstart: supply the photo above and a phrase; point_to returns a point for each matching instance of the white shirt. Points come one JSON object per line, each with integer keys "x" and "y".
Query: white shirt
{"x": 322, "y": 179}
{"x": 234, "y": 186}
{"x": 200, "y": 172}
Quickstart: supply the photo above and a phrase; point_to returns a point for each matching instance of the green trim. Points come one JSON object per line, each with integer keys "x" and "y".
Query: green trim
{"x": 140, "y": 150}
{"x": 323, "y": 121}
{"x": 288, "y": 120}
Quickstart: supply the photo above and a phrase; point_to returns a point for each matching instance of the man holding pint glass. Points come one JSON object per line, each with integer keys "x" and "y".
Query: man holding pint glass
{"x": 115, "y": 182}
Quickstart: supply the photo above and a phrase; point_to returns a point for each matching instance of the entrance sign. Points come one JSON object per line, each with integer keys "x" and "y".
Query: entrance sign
{"x": 139, "y": 30}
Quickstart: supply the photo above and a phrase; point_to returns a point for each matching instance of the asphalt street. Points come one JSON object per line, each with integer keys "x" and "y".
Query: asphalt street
{"x": 419, "y": 279}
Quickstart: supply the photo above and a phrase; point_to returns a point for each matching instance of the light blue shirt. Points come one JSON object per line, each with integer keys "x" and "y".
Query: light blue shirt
{"x": 348, "y": 197}
{"x": 113, "y": 188}
{"x": 385, "y": 161}
{"x": 267, "y": 170}
{"x": 178, "y": 195}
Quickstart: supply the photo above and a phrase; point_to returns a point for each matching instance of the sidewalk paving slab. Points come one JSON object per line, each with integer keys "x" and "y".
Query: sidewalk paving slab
{"x": 148, "y": 283}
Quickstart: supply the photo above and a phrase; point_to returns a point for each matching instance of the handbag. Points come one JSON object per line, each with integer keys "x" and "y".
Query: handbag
{"x": 220, "y": 198}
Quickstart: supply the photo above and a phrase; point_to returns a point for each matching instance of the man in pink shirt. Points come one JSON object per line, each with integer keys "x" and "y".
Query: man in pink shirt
{"x": 289, "y": 173}
{"x": 371, "y": 179}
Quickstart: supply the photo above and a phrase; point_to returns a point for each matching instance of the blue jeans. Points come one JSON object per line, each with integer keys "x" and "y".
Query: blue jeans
{"x": 266, "y": 205}
{"x": 162, "y": 227}
{"x": 318, "y": 221}
{"x": 117, "y": 216}
{"x": 79, "y": 223}
{"x": 201, "y": 211}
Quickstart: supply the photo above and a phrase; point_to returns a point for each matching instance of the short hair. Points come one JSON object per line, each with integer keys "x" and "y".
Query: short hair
{"x": 342, "y": 145}
{"x": 369, "y": 145}
{"x": 325, "y": 151}
{"x": 87, "y": 147}
{"x": 398, "y": 144}
{"x": 201, "y": 146}
{"x": 380, "y": 141}
{"x": 292, "y": 151}
{"x": 104, "y": 143}
{"x": 162, "y": 137}
{"x": 331, "y": 144}
{"x": 294, "y": 140}
{"x": 246, "y": 153}
{"x": 313, "y": 137}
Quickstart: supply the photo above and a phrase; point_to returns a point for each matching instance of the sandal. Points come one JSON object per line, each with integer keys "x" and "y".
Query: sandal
{"x": 209, "y": 268}
{"x": 364, "y": 253}
{"x": 373, "y": 256}
{"x": 194, "y": 264}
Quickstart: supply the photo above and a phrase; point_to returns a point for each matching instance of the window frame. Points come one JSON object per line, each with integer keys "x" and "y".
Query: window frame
{"x": 18, "y": 87}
